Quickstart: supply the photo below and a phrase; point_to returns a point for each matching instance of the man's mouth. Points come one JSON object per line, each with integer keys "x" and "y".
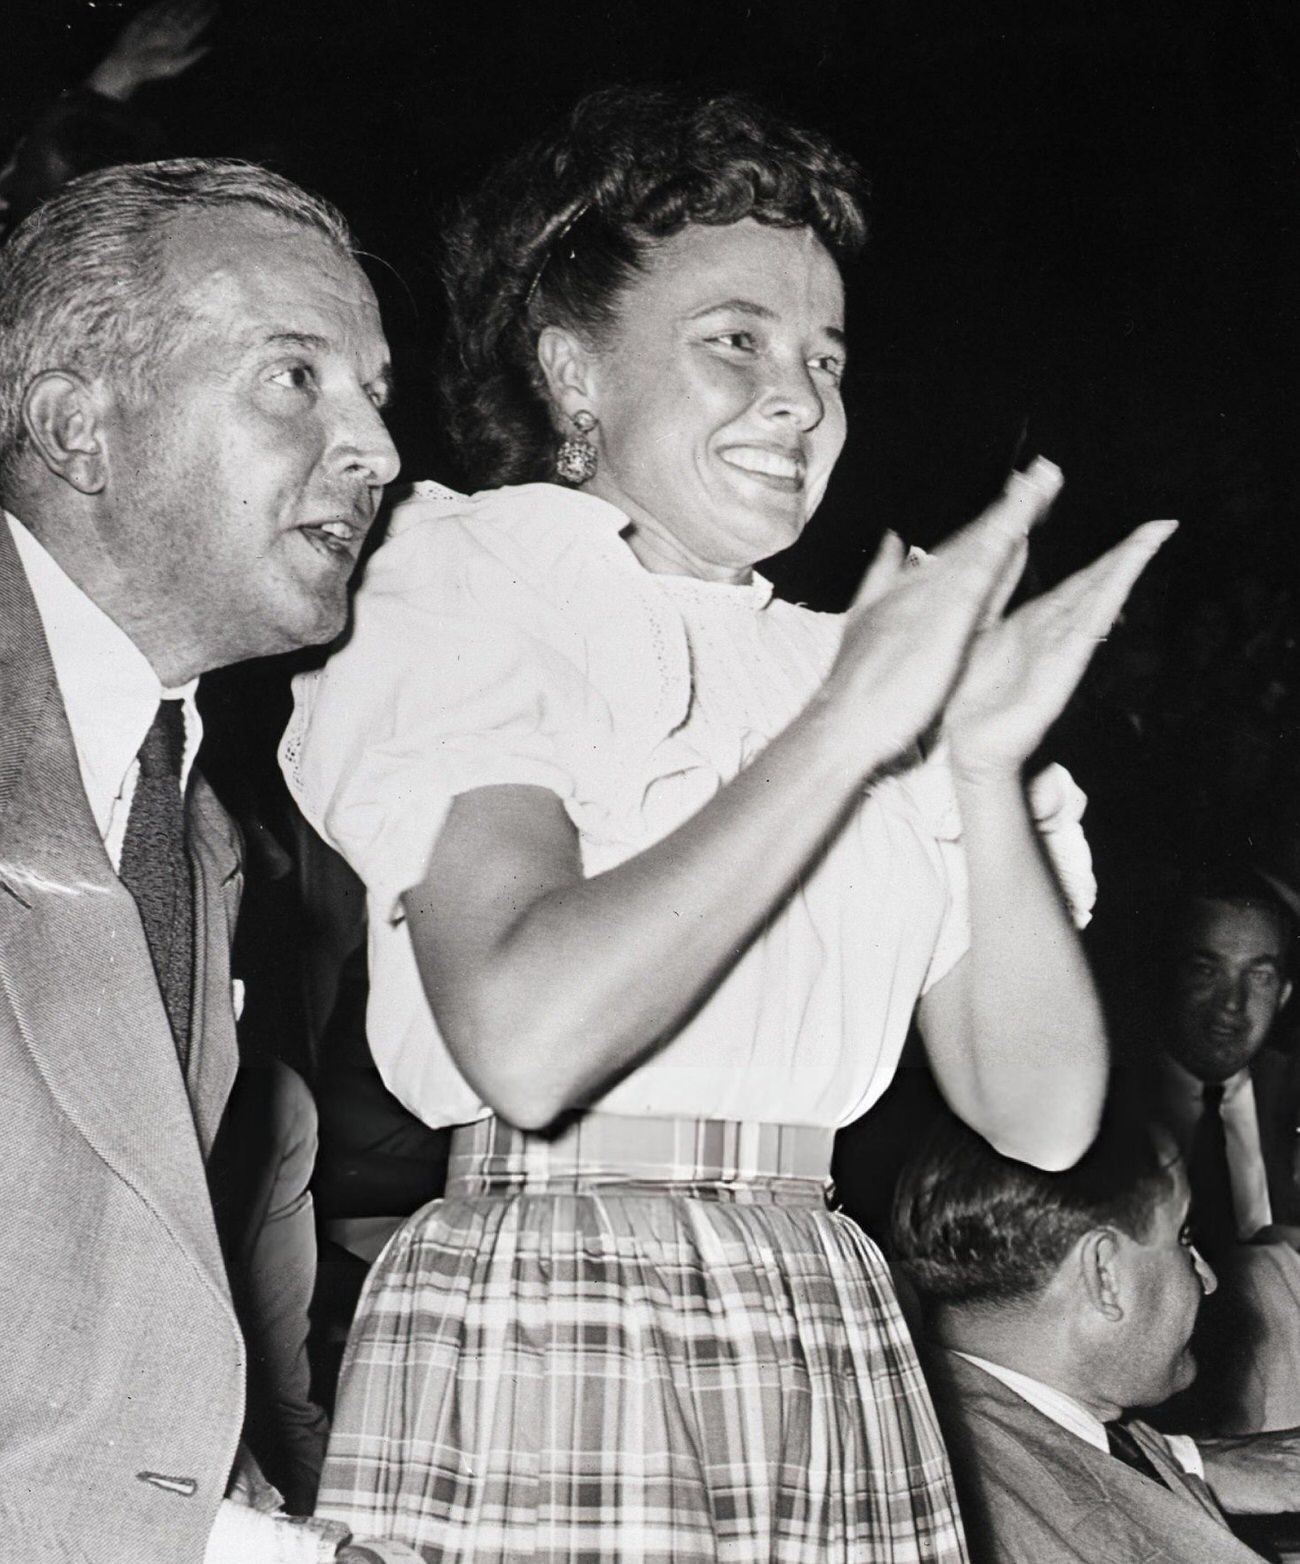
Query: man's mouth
{"x": 336, "y": 538}
{"x": 783, "y": 467}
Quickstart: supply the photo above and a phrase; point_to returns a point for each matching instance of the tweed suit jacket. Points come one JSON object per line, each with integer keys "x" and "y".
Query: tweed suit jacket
{"x": 1031, "y": 1492}
{"x": 121, "y": 1362}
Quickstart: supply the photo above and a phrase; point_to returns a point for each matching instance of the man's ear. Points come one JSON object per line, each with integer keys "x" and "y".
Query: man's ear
{"x": 63, "y": 416}
{"x": 569, "y": 365}
{"x": 1284, "y": 995}
{"x": 1098, "y": 1258}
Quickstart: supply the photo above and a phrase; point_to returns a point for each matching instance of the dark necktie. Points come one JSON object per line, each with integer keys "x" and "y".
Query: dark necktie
{"x": 1124, "y": 1447}
{"x": 155, "y": 866}
{"x": 1214, "y": 1219}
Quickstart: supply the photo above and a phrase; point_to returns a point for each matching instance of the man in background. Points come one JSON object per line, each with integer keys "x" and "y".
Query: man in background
{"x": 1232, "y": 1102}
{"x": 1229, "y": 1098}
{"x": 1055, "y": 1304}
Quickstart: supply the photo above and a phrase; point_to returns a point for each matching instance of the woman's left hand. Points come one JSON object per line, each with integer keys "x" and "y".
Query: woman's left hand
{"x": 1024, "y": 668}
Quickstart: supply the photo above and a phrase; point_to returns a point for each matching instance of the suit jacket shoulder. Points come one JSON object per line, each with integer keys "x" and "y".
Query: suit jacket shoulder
{"x": 1033, "y": 1493}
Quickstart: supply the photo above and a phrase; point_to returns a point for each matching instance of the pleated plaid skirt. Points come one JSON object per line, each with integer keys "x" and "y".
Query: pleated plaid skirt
{"x": 580, "y": 1356}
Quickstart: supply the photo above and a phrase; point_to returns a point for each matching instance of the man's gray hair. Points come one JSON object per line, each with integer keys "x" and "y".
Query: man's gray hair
{"x": 83, "y": 278}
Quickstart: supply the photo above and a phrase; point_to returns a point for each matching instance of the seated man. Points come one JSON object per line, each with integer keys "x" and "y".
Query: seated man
{"x": 1057, "y": 1302}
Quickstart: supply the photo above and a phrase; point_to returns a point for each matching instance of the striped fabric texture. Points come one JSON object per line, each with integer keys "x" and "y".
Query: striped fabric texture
{"x": 615, "y": 1148}
{"x": 644, "y": 1374}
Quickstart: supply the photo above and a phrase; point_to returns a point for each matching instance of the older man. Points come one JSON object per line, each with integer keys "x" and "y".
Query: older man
{"x": 1057, "y": 1302}
{"x": 191, "y": 453}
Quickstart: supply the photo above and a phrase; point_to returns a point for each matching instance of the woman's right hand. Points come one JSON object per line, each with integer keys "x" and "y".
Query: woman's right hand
{"x": 909, "y": 631}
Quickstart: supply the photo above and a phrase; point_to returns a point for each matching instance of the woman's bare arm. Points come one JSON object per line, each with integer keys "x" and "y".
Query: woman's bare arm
{"x": 1015, "y": 1033}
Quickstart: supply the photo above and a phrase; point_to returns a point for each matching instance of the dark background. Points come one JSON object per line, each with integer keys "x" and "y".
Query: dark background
{"x": 1085, "y": 222}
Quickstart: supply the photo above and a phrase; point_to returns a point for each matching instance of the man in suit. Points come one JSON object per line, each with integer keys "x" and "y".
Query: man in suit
{"x": 1230, "y": 1099}
{"x": 1055, "y": 1303}
{"x": 191, "y": 454}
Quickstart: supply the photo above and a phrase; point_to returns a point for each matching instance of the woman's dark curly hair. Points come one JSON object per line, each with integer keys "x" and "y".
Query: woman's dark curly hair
{"x": 557, "y": 232}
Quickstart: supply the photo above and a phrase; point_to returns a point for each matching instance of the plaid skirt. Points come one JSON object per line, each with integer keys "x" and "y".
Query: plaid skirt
{"x": 548, "y": 1365}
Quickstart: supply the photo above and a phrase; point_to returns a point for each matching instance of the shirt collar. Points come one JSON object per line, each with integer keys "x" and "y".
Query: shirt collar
{"x": 1194, "y": 1087}
{"x": 110, "y": 691}
{"x": 1063, "y": 1410}
{"x": 550, "y": 500}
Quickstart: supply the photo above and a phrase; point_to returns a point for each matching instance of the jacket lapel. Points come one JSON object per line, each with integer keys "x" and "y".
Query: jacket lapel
{"x": 1172, "y": 1474}
{"x": 74, "y": 963}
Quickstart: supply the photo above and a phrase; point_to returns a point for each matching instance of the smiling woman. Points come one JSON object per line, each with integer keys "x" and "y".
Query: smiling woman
{"x": 657, "y": 873}
{"x": 717, "y": 396}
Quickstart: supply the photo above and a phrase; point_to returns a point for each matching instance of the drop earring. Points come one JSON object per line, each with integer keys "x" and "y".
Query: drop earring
{"x": 575, "y": 461}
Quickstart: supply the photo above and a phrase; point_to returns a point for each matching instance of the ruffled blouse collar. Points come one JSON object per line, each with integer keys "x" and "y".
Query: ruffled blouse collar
{"x": 551, "y": 499}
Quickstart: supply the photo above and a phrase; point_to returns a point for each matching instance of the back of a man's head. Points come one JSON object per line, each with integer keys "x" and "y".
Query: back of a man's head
{"x": 973, "y": 1229}
{"x": 83, "y": 279}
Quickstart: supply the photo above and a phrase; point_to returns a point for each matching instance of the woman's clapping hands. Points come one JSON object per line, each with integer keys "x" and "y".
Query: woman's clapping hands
{"x": 929, "y": 640}
{"x": 1023, "y": 668}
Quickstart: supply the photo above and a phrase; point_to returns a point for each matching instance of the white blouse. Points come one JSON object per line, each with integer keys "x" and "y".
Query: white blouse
{"x": 513, "y": 637}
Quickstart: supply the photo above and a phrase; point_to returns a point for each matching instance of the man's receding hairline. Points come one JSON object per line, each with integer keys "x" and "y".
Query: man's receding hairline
{"x": 255, "y": 214}
{"x": 171, "y": 292}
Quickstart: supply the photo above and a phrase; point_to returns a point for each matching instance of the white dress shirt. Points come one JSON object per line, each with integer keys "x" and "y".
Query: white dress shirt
{"x": 110, "y": 691}
{"x": 1077, "y": 1419}
{"x": 1181, "y": 1102}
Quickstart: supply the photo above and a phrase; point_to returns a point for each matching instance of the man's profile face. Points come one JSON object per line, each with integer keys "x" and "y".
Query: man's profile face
{"x": 1229, "y": 985}
{"x": 1166, "y": 1281}
{"x": 240, "y": 492}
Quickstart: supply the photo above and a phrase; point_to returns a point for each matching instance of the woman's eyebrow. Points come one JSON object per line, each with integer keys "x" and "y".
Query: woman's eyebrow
{"x": 757, "y": 311}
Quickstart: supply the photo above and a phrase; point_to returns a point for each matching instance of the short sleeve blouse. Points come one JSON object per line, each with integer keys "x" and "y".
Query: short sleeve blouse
{"x": 513, "y": 637}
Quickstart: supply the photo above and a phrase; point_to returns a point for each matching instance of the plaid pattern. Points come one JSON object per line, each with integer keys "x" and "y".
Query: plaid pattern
{"x": 638, "y": 1374}
{"x": 613, "y": 1148}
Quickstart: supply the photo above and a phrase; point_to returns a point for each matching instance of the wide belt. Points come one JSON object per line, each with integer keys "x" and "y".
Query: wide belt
{"x": 613, "y": 1148}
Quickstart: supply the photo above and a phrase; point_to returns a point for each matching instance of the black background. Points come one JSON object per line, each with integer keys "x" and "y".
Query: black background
{"x": 1084, "y": 217}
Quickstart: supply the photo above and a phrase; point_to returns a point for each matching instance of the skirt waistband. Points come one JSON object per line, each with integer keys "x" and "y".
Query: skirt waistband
{"x": 611, "y": 1148}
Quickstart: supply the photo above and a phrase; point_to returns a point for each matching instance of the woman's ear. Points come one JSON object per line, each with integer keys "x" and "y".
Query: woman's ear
{"x": 1099, "y": 1263}
{"x": 63, "y": 417}
{"x": 569, "y": 365}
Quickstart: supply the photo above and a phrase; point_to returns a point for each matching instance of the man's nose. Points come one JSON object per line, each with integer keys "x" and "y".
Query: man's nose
{"x": 1204, "y": 1271}
{"x": 364, "y": 443}
{"x": 1232, "y": 995}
